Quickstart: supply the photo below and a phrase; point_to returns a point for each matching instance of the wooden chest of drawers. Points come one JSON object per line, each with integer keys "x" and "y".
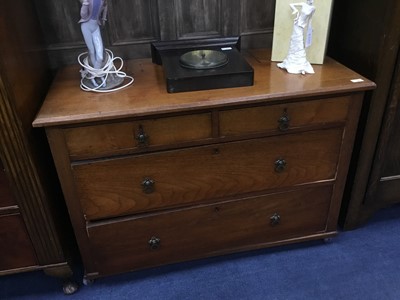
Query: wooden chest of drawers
{"x": 153, "y": 178}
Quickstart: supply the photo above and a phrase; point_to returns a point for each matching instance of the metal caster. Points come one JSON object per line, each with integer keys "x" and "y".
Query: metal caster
{"x": 328, "y": 240}
{"x": 87, "y": 282}
{"x": 70, "y": 287}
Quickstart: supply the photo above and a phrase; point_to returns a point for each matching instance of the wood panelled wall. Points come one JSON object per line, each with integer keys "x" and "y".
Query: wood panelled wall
{"x": 133, "y": 24}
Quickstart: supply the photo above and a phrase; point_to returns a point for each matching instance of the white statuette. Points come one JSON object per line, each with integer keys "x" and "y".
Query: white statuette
{"x": 296, "y": 60}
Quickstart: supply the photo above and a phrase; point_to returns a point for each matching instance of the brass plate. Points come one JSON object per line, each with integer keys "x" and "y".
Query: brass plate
{"x": 203, "y": 59}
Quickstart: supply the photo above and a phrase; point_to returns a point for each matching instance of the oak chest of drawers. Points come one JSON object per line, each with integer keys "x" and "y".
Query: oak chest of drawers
{"x": 152, "y": 178}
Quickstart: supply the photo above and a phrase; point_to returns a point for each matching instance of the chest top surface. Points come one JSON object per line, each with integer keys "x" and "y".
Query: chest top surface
{"x": 67, "y": 104}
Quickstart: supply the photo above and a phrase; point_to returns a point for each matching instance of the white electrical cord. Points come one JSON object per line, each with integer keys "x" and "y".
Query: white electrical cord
{"x": 90, "y": 73}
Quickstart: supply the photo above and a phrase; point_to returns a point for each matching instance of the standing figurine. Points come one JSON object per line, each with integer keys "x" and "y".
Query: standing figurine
{"x": 296, "y": 61}
{"x": 98, "y": 73}
{"x": 93, "y": 15}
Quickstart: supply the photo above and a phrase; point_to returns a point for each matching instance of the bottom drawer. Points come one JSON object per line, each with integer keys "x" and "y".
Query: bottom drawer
{"x": 207, "y": 230}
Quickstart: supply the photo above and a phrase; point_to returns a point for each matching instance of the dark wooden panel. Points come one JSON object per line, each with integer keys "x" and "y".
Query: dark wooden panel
{"x": 383, "y": 186}
{"x": 16, "y": 250}
{"x": 257, "y": 22}
{"x": 388, "y": 191}
{"x": 132, "y": 21}
{"x": 257, "y": 15}
{"x": 231, "y": 17}
{"x": 190, "y": 19}
{"x": 59, "y": 20}
{"x": 356, "y": 36}
{"x": 132, "y": 24}
{"x": 6, "y": 197}
{"x": 198, "y": 18}
{"x": 391, "y": 159}
{"x": 22, "y": 59}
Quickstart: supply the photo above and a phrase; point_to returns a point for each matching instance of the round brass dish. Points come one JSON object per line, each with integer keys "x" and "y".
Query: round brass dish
{"x": 203, "y": 59}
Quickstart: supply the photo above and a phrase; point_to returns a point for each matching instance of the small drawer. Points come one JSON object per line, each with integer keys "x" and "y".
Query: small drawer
{"x": 283, "y": 117}
{"x": 209, "y": 230}
{"x": 118, "y": 138}
{"x": 134, "y": 184}
{"x": 16, "y": 249}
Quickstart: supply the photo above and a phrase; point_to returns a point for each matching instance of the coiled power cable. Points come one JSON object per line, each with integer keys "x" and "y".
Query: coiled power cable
{"x": 89, "y": 74}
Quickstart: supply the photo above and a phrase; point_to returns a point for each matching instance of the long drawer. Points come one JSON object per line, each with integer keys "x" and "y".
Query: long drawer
{"x": 208, "y": 230}
{"x": 167, "y": 179}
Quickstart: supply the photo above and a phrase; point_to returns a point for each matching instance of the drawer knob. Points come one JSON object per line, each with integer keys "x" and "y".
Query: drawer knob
{"x": 154, "y": 243}
{"x": 142, "y": 138}
{"x": 283, "y": 121}
{"x": 148, "y": 185}
{"x": 280, "y": 165}
{"x": 275, "y": 219}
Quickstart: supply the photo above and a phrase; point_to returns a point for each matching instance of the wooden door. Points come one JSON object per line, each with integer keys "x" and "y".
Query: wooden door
{"x": 384, "y": 187}
{"x": 366, "y": 37}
